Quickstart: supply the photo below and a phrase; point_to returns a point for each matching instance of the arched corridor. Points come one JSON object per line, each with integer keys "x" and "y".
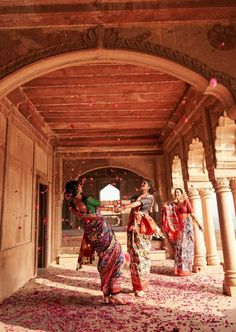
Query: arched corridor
{"x": 109, "y": 93}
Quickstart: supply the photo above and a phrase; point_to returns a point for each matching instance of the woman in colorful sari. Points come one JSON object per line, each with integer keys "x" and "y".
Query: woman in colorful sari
{"x": 177, "y": 223}
{"x": 99, "y": 237}
{"x": 140, "y": 229}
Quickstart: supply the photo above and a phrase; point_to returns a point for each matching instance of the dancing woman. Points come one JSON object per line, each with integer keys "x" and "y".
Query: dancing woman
{"x": 177, "y": 223}
{"x": 101, "y": 238}
{"x": 139, "y": 231}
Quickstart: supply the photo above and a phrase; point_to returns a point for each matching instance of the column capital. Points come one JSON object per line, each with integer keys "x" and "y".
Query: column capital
{"x": 206, "y": 192}
{"x": 193, "y": 193}
{"x": 221, "y": 185}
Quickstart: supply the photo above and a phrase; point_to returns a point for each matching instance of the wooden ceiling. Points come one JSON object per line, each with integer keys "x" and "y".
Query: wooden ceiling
{"x": 106, "y": 105}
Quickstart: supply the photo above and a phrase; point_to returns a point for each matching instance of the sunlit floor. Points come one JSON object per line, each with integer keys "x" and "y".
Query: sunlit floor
{"x": 62, "y": 299}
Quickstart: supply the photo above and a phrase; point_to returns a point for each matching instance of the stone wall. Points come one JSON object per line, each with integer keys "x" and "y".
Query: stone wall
{"x": 24, "y": 159}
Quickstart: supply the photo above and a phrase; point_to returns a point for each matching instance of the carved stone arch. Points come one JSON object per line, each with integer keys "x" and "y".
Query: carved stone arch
{"x": 177, "y": 173}
{"x": 225, "y": 144}
{"x": 197, "y": 170}
{"x": 101, "y": 44}
{"x": 90, "y": 169}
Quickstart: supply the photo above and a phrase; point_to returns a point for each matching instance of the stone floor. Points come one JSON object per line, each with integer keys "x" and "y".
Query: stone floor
{"x": 62, "y": 299}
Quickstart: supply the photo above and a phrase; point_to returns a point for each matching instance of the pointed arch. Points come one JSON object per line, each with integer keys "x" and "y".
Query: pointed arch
{"x": 109, "y": 193}
{"x": 225, "y": 143}
{"x": 177, "y": 174}
{"x": 196, "y": 162}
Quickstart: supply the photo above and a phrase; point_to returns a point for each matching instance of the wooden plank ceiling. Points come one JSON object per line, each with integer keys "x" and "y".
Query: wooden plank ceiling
{"x": 106, "y": 105}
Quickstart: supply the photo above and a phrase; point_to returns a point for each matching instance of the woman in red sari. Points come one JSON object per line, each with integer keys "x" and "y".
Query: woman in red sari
{"x": 177, "y": 222}
{"x": 99, "y": 237}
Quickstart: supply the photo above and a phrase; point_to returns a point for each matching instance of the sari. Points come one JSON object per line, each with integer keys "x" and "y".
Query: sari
{"x": 139, "y": 244}
{"x": 102, "y": 240}
{"x": 178, "y": 226}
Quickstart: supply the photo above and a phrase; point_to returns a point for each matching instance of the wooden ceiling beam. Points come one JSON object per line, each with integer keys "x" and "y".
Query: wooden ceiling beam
{"x": 96, "y": 79}
{"x": 106, "y": 89}
{"x": 11, "y": 19}
{"x": 49, "y": 116}
{"x": 66, "y": 133}
{"x": 104, "y": 118}
{"x": 105, "y": 106}
{"x": 139, "y": 125}
{"x": 126, "y": 97}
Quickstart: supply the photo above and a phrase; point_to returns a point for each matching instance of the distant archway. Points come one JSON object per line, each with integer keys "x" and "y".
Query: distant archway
{"x": 177, "y": 175}
{"x": 109, "y": 193}
{"x": 225, "y": 144}
{"x": 196, "y": 162}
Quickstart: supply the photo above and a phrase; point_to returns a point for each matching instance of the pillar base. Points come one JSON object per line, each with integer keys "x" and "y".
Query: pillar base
{"x": 199, "y": 269}
{"x": 229, "y": 290}
{"x": 213, "y": 260}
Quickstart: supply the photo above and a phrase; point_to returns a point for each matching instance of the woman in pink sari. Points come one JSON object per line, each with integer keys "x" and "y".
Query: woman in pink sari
{"x": 177, "y": 223}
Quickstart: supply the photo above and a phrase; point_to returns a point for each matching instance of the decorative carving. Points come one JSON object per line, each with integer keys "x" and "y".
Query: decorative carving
{"x": 109, "y": 38}
{"x": 221, "y": 184}
{"x": 193, "y": 193}
{"x": 60, "y": 42}
{"x": 206, "y": 193}
{"x": 114, "y": 41}
{"x": 222, "y": 38}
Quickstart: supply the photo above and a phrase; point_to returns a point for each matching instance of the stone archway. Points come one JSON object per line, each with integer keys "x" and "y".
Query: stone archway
{"x": 225, "y": 144}
{"x": 177, "y": 175}
{"x": 101, "y": 44}
{"x": 196, "y": 162}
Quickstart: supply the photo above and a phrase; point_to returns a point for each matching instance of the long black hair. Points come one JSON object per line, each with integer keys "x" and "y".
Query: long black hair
{"x": 181, "y": 190}
{"x": 150, "y": 190}
{"x": 72, "y": 188}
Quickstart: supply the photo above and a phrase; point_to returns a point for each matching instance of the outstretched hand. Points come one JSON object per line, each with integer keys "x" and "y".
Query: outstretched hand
{"x": 117, "y": 209}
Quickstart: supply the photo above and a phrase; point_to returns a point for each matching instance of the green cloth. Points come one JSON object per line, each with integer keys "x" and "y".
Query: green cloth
{"x": 91, "y": 204}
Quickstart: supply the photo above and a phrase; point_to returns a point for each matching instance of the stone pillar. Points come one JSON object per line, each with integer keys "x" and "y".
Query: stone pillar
{"x": 233, "y": 189}
{"x": 58, "y": 229}
{"x": 199, "y": 261}
{"x": 209, "y": 230}
{"x": 227, "y": 231}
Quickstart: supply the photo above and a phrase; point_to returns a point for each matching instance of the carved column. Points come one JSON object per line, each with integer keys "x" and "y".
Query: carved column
{"x": 199, "y": 243}
{"x": 222, "y": 189}
{"x": 209, "y": 230}
{"x": 57, "y": 207}
{"x": 58, "y": 228}
{"x": 233, "y": 189}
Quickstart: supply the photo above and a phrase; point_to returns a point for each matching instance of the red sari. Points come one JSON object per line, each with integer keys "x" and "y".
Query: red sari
{"x": 177, "y": 224}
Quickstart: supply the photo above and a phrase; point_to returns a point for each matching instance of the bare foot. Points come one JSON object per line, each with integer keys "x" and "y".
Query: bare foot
{"x": 139, "y": 293}
{"x": 117, "y": 299}
{"x": 107, "y": 299}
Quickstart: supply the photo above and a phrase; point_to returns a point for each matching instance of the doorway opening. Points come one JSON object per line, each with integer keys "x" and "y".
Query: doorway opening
{"x": 42, "y": 219}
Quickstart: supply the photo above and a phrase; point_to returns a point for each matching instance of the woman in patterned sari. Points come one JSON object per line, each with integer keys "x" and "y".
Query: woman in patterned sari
{"x": 99, "y": 237}
{"x": 177, "y": 223}
{"x": 139, "y": 231}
